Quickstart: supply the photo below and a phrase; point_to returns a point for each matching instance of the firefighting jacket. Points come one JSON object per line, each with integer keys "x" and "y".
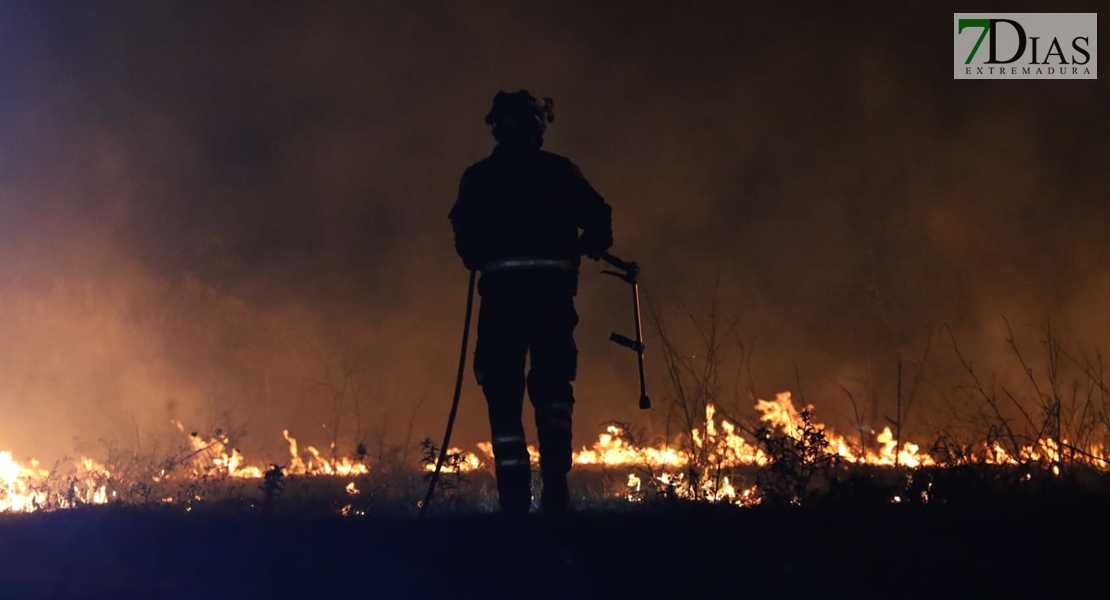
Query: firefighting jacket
{"x": 525, "y": 207}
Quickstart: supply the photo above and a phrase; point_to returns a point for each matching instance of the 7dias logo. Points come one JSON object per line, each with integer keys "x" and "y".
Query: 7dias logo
{"x": 1025, "y": 46}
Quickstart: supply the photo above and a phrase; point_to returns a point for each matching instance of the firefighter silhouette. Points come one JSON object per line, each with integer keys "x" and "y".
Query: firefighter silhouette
{"x": 524, "y": 218}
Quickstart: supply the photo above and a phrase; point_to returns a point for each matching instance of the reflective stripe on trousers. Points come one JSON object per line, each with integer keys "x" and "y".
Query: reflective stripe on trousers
{"x": 510, "y": 451}
{"x": 556, "y": 415}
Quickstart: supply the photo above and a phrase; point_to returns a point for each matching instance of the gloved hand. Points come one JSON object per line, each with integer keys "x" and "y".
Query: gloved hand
{"x": 592, "y": 247}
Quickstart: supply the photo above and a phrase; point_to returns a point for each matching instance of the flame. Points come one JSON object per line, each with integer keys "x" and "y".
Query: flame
{"x": 723, "y": 443}
{"x": 319, "y": 465}
{"x": 729, "y": 447}
{"x": 460, "y": 461}
{"x": 29, "y": 488}
{"x": 718, "y": 443}
{"x": 25, "y": 488}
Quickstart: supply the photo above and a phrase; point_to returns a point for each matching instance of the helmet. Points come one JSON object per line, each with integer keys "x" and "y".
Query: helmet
{"x": 508, "y": 107}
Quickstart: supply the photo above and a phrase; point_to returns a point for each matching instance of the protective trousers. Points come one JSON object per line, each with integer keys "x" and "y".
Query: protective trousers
{"x": 512, "y": 326}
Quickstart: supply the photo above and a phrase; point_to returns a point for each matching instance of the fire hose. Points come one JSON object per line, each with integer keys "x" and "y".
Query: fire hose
{"x": 625, "y": 271}
{"x": 455, "y": 401}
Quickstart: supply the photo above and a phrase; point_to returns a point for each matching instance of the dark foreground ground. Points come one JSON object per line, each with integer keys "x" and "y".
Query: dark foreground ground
{"x": 1050, "y": 549}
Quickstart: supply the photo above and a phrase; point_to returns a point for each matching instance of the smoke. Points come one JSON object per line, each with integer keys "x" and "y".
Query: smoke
{"x": 207, "y": 213}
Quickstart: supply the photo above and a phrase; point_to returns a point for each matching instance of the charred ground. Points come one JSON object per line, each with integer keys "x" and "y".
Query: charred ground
{"x": 1028, "y": 547}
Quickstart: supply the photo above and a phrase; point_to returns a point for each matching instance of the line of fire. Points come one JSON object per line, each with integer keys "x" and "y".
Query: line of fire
{"x": 718, "y": 461}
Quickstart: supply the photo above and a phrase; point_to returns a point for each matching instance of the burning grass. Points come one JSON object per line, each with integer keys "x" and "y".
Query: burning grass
{"x": 780, "y": 454}
{"x": 786, "y": 457}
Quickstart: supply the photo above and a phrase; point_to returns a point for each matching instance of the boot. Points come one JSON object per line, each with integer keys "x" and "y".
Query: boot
{"x": 556, "y": 495}
{"x": 514, "y": 491}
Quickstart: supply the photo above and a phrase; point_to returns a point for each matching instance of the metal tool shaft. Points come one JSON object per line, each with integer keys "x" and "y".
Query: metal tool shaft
{"x": 628, "y": 272}
{"x": 645, "y": 402}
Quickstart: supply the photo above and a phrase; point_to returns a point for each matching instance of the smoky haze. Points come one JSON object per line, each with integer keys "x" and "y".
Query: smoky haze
{"x": 208, "y": 211}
